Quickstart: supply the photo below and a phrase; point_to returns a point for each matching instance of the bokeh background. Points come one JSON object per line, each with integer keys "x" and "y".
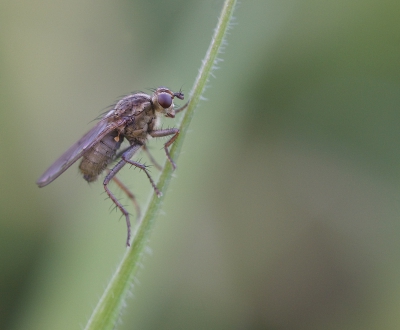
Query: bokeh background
{"x": 285, "y": 208}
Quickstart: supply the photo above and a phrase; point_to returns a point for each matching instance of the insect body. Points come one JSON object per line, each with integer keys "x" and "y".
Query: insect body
{"x": 134, "y": 118}
{"x": 96, "y": 159}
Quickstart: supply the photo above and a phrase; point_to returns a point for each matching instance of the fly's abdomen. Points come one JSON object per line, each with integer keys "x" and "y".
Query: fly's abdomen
{"x": 96, "y": 159}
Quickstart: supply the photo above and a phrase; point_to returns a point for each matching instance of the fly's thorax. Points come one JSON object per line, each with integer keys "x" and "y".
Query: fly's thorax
{"x": 137, "y": 131}
{"x": 133, "y": 105}
{"x": 96, "y": 159}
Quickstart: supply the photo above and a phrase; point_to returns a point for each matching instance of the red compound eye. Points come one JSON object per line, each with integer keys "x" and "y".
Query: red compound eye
{"x": 165, "y": 100}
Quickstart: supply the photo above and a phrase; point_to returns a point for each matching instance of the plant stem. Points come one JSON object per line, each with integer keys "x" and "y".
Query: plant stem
{"x": 108, "y": 309}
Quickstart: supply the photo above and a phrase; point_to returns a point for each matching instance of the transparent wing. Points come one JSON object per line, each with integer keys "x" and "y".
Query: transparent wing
{"x": 76, "y": 151}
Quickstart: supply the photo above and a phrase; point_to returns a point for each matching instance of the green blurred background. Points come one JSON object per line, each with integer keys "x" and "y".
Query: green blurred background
{"x": 284, "y": 212}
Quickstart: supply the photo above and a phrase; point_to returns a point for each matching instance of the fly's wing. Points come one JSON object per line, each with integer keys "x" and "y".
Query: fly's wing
{"x": 76, "y": 151}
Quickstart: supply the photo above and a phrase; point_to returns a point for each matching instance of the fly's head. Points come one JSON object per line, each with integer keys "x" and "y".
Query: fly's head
{"x": 163, "y": 101}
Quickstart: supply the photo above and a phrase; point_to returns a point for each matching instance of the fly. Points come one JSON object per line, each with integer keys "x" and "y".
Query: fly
{"x": 133, "y": 118}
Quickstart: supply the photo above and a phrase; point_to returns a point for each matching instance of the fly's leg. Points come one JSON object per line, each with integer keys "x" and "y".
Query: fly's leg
{"x": 167, "y": 132}
{"x": 128, "y": 193}
{"x": 127, "y": 154}
{"x": 146, "y": 150}
{"x": 183, "y": 107}
{"x": 107, "y": 179}
{"x": 144, "y": 168}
